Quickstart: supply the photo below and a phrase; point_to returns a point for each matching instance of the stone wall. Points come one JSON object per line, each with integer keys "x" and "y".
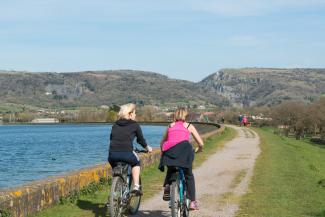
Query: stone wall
{"x": 35, "y": 196}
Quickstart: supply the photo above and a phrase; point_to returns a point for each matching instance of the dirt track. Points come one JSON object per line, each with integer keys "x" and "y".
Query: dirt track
{"x": 220, "y": 180}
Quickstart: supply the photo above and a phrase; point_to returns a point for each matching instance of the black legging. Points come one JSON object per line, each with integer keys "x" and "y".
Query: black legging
{"x": 190, "y": 182}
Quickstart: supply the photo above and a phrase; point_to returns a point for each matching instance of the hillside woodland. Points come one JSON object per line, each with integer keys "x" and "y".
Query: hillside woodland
{"x": 228, "y": 87}
{"x": 266, "y": 86}
{"x": 100, "y": 88}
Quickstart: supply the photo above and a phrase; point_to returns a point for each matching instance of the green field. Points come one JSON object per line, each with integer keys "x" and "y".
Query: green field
{"x": 12, "y": 108}
{"x": 288, "y": 181}
{"x": 152, "y": 179}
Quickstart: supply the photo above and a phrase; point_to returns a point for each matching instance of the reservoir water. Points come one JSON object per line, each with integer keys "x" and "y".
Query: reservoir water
{"x": 32, "y": 152}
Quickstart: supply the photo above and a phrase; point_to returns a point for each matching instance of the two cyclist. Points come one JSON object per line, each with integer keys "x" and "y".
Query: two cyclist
{"x": 175, "y": 146}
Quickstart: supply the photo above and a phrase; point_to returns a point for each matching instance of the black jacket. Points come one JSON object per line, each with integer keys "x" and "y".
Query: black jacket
{"x": 123, "y": 133}
{"x": 181, "y": 155}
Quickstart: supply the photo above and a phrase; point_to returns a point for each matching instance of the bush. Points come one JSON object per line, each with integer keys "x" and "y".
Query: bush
{"x": 301, "y": 119}
{"x": 92, "y": 188}
{"x": 5, "y": 213}
{"x": 111, "y": 116}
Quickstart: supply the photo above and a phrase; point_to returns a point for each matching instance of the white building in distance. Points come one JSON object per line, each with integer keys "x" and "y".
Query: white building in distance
{"x": 45, "y": 121}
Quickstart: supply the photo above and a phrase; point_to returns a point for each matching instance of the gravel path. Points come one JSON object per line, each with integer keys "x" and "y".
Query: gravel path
{"x": 220, "y": 180}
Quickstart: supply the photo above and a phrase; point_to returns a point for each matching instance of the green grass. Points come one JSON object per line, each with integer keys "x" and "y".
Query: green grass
{"x": 238, "y": 178}
{"x": 287, "y": 179}
{"x": 152, "y": 180}
{"x": 14, "y": 108}
{"x": 230, "y": 197}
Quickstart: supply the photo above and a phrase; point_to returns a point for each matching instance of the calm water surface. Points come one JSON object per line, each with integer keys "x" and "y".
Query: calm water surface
{"x": 31, "y": 152}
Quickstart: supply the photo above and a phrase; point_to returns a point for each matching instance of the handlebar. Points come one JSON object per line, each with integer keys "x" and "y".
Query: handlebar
{"x": 197, "y": 150}
{"x": 140, "y": 150}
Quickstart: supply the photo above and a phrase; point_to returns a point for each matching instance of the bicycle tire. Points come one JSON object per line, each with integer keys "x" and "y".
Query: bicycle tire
{"x": 115, "y": 197}
{"x": 186, "y": 205}
{"x": 134, "y": 207}
{"x": 185, "y": 210}
{"x": 174, "y": 200}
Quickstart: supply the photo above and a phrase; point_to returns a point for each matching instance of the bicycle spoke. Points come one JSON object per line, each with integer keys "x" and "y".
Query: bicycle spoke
{"x": 116, "y": 197}
{"x": 134, "y": 202}
{"x": 175, "y": 200}
{"x": 121, "y": 201}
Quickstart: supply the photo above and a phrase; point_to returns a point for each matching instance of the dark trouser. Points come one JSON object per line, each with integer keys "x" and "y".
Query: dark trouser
{"x": 129, "y": 157}
{"x": 190, "y": 182}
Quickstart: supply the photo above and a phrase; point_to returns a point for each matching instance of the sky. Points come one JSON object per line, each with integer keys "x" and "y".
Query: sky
{"x": 183, "y": 39}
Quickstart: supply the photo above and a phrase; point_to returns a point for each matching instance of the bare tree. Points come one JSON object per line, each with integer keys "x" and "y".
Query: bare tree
{"x": 288, "y": 115}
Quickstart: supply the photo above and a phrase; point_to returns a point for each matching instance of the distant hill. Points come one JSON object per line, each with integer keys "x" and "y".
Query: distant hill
{"x": 94, "y": 88}
{"x": 266, "y": 86}
{"x": 234, "y": 87}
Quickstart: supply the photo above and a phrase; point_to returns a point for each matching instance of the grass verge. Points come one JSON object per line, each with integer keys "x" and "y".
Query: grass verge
{"x": 238, "y": 178}
{"x": 152, "y": 179}
{"x": 287, "y": 179}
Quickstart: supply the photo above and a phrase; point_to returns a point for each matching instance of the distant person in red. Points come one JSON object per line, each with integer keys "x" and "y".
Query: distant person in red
{"x": 245, "y": 121}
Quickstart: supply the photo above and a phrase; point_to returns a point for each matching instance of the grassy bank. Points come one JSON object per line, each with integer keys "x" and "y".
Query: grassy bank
{"x": 152, "y": 178}
{"x": 287, "y": 179}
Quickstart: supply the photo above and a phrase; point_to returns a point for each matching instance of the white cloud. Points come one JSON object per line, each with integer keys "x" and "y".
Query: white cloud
{"x": 252, "y": 7}
{"x": 132, "y": 9}
{"x": 245, "y": 40}
{"x": 318, "y": 44}
{"x": 94, "y": 10}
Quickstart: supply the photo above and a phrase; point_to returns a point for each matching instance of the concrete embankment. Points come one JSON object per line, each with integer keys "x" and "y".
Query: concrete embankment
{"x": 36, "y": 196}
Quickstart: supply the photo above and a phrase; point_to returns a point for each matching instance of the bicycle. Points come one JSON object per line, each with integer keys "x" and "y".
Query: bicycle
{"x": 179, "y": 204}
{"x": 121, "y": 199}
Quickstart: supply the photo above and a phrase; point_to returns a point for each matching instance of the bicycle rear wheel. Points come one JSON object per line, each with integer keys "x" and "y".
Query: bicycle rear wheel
{"x": 186, "y": 208}
{"x": 135, "y": 200}
{"x": 115, "y": 197}
{"x": 175, "y": 204}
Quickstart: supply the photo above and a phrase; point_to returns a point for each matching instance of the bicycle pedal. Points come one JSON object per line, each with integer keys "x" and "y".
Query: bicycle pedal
{"x": 136, "y": 193}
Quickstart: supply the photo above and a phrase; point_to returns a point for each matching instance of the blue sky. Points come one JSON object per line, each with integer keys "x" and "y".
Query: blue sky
{"x": 184, "y": 39}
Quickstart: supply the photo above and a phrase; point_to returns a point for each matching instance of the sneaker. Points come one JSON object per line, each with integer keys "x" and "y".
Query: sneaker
{"x": 166, "y": 196}
{"x": 136, "y": 190}
{"x": 194, "y": 205}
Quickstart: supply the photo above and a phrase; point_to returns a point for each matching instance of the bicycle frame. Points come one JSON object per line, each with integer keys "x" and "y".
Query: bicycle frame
{"x": 181, "y": 183}
{"x": 126, "y": 175}
{"x": 182, "y": 202}
{"x": 124, "y": 201}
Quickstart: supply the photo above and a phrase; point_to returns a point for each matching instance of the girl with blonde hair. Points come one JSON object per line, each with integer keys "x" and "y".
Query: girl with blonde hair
{"x": 178, "y": 152}
{"x": 124, "y": 130}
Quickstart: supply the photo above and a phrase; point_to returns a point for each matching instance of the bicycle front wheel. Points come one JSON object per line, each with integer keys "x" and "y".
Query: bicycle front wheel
{"x": 175, "y": 204}
{"x": 135, "y": 200}
{"x": 115, "y": 197}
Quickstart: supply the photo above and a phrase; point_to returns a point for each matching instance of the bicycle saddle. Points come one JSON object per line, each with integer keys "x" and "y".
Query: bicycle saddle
{"x": 121, "y": 164}
{"x": 120, "y": 169}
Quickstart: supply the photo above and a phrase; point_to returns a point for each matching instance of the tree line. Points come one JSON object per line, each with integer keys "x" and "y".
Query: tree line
{"x": 289, "y": 118}
{"x": 86, "y": 115}
{"x": 300, "y": 119}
